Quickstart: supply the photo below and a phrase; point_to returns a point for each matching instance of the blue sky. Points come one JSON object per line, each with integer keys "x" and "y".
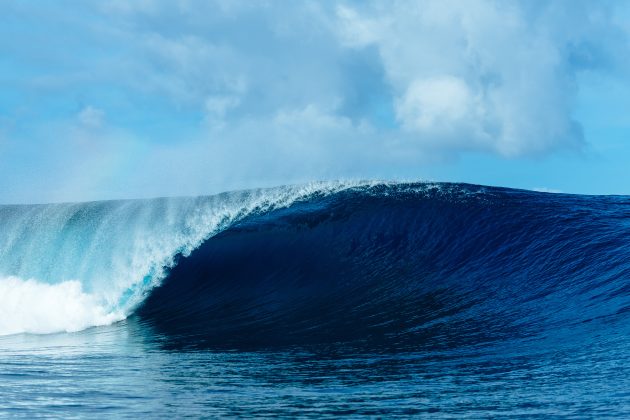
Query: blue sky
{"x": 117, "y": 99}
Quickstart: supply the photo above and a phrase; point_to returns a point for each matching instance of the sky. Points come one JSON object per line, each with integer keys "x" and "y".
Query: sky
{"x": 118, "y": 99}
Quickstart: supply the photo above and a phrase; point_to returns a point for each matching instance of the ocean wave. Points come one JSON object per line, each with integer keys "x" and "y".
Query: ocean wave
{"x": 381, "y": 264}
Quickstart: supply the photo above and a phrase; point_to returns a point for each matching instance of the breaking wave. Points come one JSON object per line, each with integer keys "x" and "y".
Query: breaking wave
{"x": 402, "y": 265}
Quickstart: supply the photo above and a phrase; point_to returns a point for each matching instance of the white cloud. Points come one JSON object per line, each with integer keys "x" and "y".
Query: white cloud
{"x": 217, "y": 107}
{"x": 131, "y": 7}
{"x": 355, "y": 30}
{"x": 90, "y": 117}
{"x": 486, "y": 72}
{"x": 480, "y": 75}
{"x": 437, "y": 103}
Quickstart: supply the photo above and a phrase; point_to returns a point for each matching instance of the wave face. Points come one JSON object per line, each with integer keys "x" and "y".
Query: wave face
{"x": 403, "y": 267}
{"x": 392, "y": 266}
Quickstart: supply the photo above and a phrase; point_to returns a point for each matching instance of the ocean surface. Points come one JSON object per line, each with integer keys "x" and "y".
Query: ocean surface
{"x": 328, "y": 299}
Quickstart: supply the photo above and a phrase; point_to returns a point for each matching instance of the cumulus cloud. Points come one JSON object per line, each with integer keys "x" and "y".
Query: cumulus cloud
{"x": 437, "y": 104}
{"x": 480, "y": 74}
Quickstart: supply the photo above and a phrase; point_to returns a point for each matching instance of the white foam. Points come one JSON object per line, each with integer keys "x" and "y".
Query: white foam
{"x": 28, "y": 306}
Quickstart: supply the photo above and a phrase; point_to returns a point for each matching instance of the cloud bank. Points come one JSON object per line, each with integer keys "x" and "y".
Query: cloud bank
{"x": 122, "y": 99}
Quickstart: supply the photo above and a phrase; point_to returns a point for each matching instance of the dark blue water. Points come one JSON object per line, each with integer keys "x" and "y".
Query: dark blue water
{"x": 441, "y": 300}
